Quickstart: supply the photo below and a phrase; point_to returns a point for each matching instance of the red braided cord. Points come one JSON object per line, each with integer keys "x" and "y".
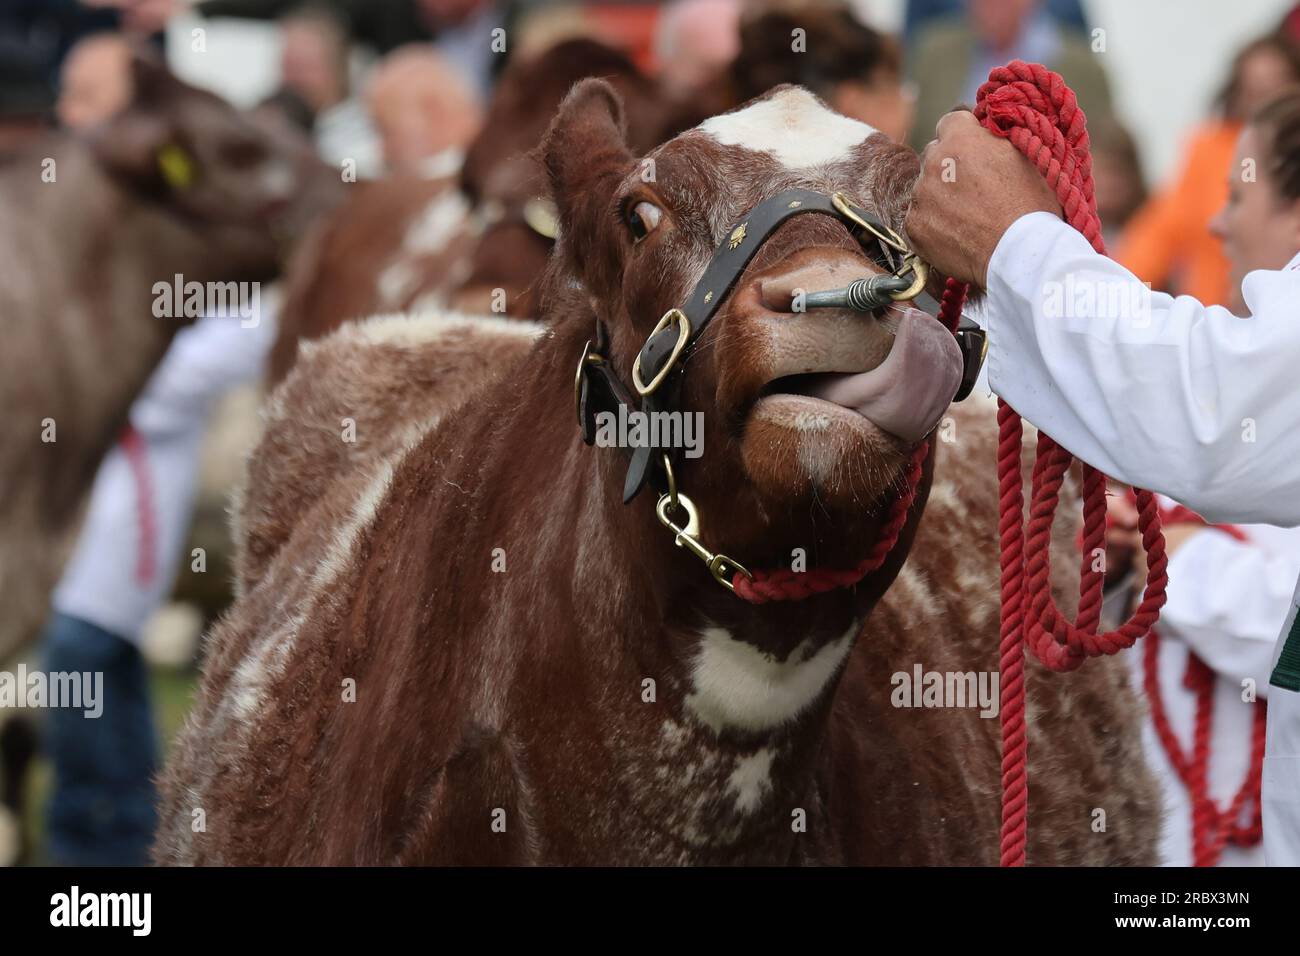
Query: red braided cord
{"x": 137, "y": 457}
{"x": 1033, "y": 108}
{"x": 785, "y": 584}
{"x": 1212, "y": 828}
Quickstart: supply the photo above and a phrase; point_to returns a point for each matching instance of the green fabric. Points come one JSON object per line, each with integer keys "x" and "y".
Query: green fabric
{"x": 1287, "y": 672}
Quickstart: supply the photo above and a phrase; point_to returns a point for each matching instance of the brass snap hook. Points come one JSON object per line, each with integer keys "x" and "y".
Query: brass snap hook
{"x": 723, "y": 568}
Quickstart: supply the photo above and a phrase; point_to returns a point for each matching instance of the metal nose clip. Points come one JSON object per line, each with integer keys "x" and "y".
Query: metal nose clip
{"x": 861, "y": 295}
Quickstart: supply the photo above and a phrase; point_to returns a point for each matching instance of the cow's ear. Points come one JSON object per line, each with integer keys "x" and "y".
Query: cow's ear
{"x": 140, "y": 144}
{"x": 131, "y": 146}
{"x": 586, "y": 157}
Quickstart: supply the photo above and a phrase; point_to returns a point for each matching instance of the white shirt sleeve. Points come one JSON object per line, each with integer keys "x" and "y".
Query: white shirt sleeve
{"x": 1227, "y": 600}
{"x": 1159, "y": 392}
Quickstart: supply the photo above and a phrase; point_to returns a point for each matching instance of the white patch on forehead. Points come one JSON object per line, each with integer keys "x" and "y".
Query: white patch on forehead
{"x": 734, "y": 684}
{"x": 793, "y": 126}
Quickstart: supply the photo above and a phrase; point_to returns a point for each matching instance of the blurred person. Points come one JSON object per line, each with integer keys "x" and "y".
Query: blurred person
{"x": 95, "y": 82}
{"x": 854, "y": 68}
{"x": 26, "y": 99}
{"x": 1259, "y": 224}
{"x": 1168, "y": 242}
{"x": 315, "y": 66}
{"x": 1117, "y": 173}
{"x": 1229, "y": 586}
{"x": 951, "y": 58}
{"x": 695, "y": 42}
{"x": 41, "y": 32}
{"x": 918, "y": 13}
{"x": 124, "y": 565}
{"x": 463, "y": 35}
{"x": 142, "y": 17}
{"x": 424, "y": 111}
{"x": 1228, "y": 596}
{"x": 461, "y": 28}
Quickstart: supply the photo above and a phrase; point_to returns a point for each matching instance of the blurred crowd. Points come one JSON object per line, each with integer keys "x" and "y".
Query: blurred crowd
{"x": 405, "y": 88}
{"x": 403, "y": 85}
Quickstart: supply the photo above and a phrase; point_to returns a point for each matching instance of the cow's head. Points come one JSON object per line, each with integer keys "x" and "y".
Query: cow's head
{"x": 192, "y": 152}
{"x": 808, "y": 416}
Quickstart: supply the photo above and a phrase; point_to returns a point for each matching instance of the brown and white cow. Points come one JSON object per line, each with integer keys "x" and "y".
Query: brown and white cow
{"x": 458, "y": 645}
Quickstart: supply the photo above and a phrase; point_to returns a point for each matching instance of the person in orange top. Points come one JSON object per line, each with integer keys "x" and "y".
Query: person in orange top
{"x": 1168, "y": 242}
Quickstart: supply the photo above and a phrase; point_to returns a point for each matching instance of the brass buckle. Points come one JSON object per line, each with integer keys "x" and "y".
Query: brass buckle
{"x": 588, "y": 358}
{"x": 721, "y": 567}
{"x": 671, "y": 317}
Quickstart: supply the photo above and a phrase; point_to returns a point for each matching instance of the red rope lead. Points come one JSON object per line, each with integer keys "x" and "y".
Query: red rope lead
{"x": 1033, "y": 108}
{"x": 789, "y": 585}
{"x": 137, "y": 456}
{"x": 1212, "y": 828}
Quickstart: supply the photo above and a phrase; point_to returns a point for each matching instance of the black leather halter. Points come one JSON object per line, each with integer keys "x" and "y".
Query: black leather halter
{"x": 658, "y": 369}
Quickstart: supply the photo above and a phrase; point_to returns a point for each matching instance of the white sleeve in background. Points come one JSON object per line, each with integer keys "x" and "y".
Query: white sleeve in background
{"x": 1228, "y": 600}
{"x": 204, "y": 361}
{"x": 1160, "y": 392}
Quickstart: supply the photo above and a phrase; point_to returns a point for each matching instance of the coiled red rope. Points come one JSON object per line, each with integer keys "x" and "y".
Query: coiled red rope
{"x": 1212, "y": 828}
{"x": 1032, "y": 107}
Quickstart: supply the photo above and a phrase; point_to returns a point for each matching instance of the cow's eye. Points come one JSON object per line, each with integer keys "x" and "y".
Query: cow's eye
{"x": 643, "y": 219}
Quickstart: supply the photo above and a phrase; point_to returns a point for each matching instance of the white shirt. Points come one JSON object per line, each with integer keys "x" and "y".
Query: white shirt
{"x": 132, "y": 541}
{"x": 1171, "y": 395}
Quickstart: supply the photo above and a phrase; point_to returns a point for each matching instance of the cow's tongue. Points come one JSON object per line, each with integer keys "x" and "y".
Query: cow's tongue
{"x": 907, "y": 394}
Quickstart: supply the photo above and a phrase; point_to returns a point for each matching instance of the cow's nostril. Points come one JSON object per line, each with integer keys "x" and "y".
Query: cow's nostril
{"x": 777, "y": 295}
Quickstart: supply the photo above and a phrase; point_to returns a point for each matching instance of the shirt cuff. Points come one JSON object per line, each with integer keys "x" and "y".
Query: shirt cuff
{"x": 1023, "y": 244}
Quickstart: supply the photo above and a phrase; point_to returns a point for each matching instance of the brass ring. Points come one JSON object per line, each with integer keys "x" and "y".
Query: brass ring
{"x": 921, "y": 273}
{"x": 672, "y": 483}
{"x": 671, "y": 317}
{"x": 588, "y": 358}
{"x": 719, "y": 566}
{"x": 890, "y": 238}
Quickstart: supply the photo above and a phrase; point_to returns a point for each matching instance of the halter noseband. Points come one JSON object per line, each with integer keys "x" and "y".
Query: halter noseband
{"x": 658, "y": 369}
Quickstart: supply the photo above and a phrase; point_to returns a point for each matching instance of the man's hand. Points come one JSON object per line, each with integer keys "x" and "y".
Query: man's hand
{"x": 973, "y": 186}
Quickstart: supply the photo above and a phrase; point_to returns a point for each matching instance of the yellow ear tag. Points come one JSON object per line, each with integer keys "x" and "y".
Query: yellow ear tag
{"x": 176, "y": 166}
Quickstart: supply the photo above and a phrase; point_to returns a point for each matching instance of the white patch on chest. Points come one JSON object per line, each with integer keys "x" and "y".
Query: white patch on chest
{"x": 734, "y": 684}
{"x": 751, "y": 779}
{"x": 794, "y": 126}
{"x": 436, "y": 224}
